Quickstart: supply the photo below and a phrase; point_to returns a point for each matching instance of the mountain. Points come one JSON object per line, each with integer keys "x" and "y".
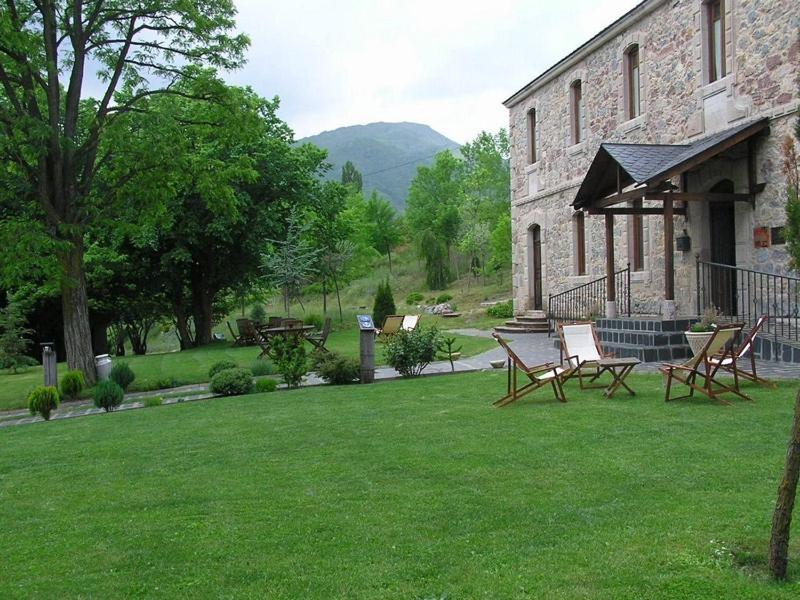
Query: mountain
{"x": 387, "y": 154}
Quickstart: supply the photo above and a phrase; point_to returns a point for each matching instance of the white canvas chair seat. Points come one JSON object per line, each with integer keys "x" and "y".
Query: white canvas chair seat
{"x": 735, "y": 364}
{"x": 547, "y": 375}
{"x": 410, "y": 322}
{"x": 538, "y": 376}
{"x": 580, "y": 350}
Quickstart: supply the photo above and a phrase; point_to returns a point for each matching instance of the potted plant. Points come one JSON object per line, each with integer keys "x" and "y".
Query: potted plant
{"x": 699, "y": 333}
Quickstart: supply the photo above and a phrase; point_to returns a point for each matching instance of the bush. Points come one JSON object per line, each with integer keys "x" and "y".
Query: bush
{"x": 384, "y": 304}
{"x": 315, "y": 320}
{"x": 108, "y": 395}
{"x": 266, "y": 385}
{"x": 218, "y": 367}
{"x": 414, "y": 298}
{"x": 290, "y": 359}
{"x": 261, "y": 367}
{"x": 43, "y": 400}
{"x": 504, "y": 310}
{"x": 337, "y": 369}
{"x": 72, "y": 384}
{"x": 409, "y": 352}
{"x": 442, "y": 298}
{"x": 258, "y": 313}
{"x": 122, "y": 375}
{"x": 232, "y": 382}
{"x": 153, "y": 401}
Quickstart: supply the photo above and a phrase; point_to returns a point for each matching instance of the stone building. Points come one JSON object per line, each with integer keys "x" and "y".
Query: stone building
{"x": 663, "y": 130}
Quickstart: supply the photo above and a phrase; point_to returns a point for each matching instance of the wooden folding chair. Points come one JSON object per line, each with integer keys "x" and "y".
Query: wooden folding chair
{"x": 391, "y": 325}
{"x": 410, "y": 322}
{"x": 318, "y": 339}
{"x": 237, "y": 339}
{"x": 700, "y": 366}
{"x": 581, "y": 350}
{"x": 247, "y": 332}
{"x": 274, "y": 322}
{"x": 742, "y": 353}
{"x": 539, "y": 376}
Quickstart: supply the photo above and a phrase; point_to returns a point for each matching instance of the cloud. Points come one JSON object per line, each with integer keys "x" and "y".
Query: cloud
{"x": 445, "y": 63}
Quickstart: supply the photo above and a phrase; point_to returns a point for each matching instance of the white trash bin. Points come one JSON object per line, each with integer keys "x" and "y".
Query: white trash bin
{"x": 102, "y": 364}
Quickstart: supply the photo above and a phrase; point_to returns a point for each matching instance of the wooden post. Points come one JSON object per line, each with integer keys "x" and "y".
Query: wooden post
{"x": 668, "y": 311}
{"x": 367, "y": 355}
{"x": 49, "y": 364}
{"x": 611, "y": 290}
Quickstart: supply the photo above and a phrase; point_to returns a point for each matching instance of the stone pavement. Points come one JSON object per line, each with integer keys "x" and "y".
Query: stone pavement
{"x": 533, "y": 348}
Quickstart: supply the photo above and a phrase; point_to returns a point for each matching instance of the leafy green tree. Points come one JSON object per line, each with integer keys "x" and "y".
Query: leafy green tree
{"x": 14, "y": 341}
{"x": 500, "y": 243}
{"x": 57, "y": 139}
{"x": 351, "y": 177}
{"x": 787, "y": 490}
{"x": 384, "y": 227}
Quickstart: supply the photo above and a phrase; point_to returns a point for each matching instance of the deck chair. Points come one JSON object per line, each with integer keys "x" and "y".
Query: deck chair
{"x": 581, "y": 351}
{"x": 391, "y": 325}
{"x": 237, "y": 339}
{"x": 700, "y": 367}
{"x": 741, "y": 354}
{"x": 247, "y": 332}
{"x": 539, "y": 375}
{"x": 318, "y": 339}
{"x": 410, "y": 322}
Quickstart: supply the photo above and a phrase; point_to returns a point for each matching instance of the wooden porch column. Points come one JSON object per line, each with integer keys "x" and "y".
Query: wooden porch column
{"x": 611, "y": 294}
{"x": 668, "y": 311}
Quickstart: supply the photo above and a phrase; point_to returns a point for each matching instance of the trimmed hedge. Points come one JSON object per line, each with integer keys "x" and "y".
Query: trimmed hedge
{"x": 232, "y": 382}
{"x": 108, "y": 395}
{"x": 43, "y": 400}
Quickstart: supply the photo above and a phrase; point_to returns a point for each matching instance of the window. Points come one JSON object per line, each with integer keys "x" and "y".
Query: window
{"x": 579, "y": 229}
{"x": 532, "y": 136}
{"x": 633, "y": 84}
{"x": 715, "y": 39}
{"x": 577, "y": 110}
{"x": 637, "y": 239}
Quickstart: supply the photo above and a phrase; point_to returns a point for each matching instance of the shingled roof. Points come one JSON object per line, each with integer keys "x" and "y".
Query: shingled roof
{"x": 651, "y": 164}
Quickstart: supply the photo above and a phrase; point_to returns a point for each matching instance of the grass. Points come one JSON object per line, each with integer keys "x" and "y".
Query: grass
{"x": 411, "y": 489}
{"x": 191, "y": 366}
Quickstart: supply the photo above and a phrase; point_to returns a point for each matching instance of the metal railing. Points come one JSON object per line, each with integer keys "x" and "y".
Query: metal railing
{"x": 589, "y": 300}
{"x": 746, "y": 295}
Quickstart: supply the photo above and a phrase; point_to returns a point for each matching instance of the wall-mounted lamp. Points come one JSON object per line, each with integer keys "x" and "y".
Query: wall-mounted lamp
{"x": 683, "y": 243}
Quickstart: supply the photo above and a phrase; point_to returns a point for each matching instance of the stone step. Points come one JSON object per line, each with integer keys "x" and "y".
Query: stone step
{"x": 536, "y": 314}
{"x": 511, "y": 327}
{"x": 529, "y": 319}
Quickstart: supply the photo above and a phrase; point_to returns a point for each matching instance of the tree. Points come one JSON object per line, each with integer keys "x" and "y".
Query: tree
{"x": 290, "y": 264}
{"x": 57, "y": 135}
{"x": 14, "y": 341}
{"x": 787, "y": 491}
{"x": 384, "y": 228}
{"x": 351, "y": 177}
{"x": 384, "y": 303}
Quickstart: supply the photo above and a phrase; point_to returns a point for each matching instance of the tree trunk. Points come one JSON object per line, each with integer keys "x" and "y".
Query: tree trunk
{"x": 325, "y": 296}
{"x": 338, "y": 298}
{"x": 182, "y": 328}
{"x": 389, "y": 254}
{"x": 99, "y": 335}
{"x": 782, "y": 518}
{"x": 75, "y": 308}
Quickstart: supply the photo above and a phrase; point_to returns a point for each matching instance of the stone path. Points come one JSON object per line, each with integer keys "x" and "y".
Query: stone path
{"x": 533, "y": 348}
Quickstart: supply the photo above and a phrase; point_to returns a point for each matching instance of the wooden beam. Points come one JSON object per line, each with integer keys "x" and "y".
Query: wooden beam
{"x": 698, "y": 197}
{"x": 611, "y": 295}
{"x": 623, "y": 197}
{"x": 680, "y": 210}
{"x": 669, "y": 252}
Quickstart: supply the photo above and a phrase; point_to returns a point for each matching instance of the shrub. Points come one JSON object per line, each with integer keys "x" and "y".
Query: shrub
{"x": 384, "y": 304}
{"x": 258, "y": 313}
{"x": 153, "y": 401}
{"x": 166, "y": 383}
{"x": 315, "y": 320}
{"x": 232, "y": 382}
{"x": 218, "y": 367}
{"x": 442, "y": 298}
{"x": 290, "y": 359}
{"x": 122, "y": 375}
{"x": 261, "y": 367}
{"x": 409, "y": 352}
{"x": 43, "y": 400}
{"x": 414, "y": 298}
{"x": 337, "y": 369}
{"x": 504, "y": 310}
{"x": 72, "y": 384}
{"x": 108, "y": 395}
{"x": 266, "y": 385}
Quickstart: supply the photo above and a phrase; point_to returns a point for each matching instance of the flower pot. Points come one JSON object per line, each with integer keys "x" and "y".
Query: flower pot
{"x": 498, "y": 364}
{"x": 697, "y": 340}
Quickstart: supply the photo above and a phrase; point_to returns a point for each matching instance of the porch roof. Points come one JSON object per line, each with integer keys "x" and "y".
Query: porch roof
{"x": 617, "y": 166}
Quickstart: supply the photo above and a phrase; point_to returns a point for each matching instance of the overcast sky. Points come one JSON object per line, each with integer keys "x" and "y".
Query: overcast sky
{"x": 448, "y": 64}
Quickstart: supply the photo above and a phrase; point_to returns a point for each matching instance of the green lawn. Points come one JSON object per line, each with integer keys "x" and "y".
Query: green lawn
{"x": 191, "y": 366}
{"x": 410, "y": 489}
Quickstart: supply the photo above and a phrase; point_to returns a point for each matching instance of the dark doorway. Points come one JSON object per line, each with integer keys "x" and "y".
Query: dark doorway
{"x": 722, "y": 228}
{"x": 535, "y": 266}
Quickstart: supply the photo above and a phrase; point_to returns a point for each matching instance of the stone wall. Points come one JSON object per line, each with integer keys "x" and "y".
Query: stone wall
{"x": 763, "y": 52}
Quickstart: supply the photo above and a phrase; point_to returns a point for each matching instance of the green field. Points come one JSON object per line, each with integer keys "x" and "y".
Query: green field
{"x": 405, "y": 489}
{"x": 191, "y": 366}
